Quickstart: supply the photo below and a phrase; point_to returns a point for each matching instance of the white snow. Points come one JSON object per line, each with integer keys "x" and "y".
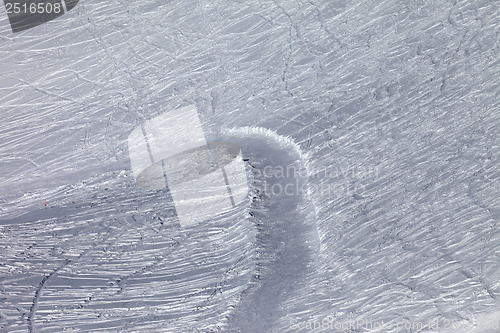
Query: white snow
{"x": 389, "y": 112}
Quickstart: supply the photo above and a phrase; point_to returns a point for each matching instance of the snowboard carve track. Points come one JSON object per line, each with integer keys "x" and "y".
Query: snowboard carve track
{"x": 287, "y": 233}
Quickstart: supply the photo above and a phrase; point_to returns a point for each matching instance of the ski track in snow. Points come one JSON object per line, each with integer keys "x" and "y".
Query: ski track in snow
{"x": 398, "y": 99}
{"x": 287, "y": 240}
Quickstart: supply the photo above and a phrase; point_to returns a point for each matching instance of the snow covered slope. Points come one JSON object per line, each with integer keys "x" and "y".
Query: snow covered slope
{"x": 369, "y": 131}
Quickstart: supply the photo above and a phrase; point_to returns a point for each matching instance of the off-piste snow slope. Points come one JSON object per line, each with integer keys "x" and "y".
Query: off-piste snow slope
{"x": 377, "y": 120}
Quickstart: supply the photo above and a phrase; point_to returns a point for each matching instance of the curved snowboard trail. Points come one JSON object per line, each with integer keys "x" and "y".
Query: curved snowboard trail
{"x": 284, "y": 215}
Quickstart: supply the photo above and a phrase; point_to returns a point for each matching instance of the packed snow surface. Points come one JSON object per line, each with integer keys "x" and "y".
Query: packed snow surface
{"x": 370, "y": 136}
